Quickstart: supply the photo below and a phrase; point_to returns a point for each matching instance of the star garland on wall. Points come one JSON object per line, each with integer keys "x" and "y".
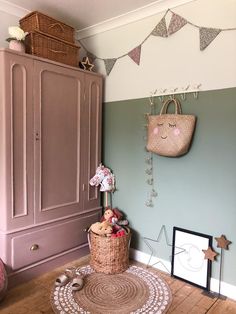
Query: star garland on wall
{"x": 177, "y": 22}
{"x": 149, "y": 160}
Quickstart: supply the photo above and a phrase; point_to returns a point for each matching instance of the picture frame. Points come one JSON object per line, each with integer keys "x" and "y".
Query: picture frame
{"x": 188, "y": 262}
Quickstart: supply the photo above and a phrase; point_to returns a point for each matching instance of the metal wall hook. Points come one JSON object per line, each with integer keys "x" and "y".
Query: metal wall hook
{"x": 172, "y": 97}
{"x": 161, "y": 98}
{"x": 151, "y": 100}
{"x": 183, "y": 96}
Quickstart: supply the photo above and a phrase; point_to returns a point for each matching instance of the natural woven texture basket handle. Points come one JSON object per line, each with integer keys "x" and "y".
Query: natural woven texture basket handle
{"x": 164, "y": 108}
{"x": 89, "y": 241}
{"x": 57, "y": 24}
{"x": 57, "y": 51}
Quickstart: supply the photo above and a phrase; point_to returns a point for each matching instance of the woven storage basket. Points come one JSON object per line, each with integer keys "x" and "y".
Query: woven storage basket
{"x": 44, "y": 46}
{"x": 36, "y": 21}
{"x": 109, "y": 255}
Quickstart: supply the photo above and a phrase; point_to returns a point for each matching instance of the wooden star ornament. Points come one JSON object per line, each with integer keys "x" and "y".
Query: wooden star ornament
{"x": 222, "y": 242}
{"x": 209, "y": 254}
{"x": 86, "y": 64}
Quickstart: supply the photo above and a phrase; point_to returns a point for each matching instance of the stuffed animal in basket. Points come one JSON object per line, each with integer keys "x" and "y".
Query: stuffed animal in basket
{"x": 113, "y": 216}
{"x": 102, "y": 228}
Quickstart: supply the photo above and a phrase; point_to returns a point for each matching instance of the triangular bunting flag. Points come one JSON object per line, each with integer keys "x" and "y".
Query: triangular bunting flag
{"x": 207, "y": 35}
{"x": 135, "y": 54}
{"x": 160, "y": 29}
{"x": 109, "y": 64}
{"x": 176, "y": 23}
{"x": 91, "y": 56}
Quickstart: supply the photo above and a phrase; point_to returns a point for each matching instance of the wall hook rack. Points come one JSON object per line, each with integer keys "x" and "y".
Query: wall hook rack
{"x": 173, "y": 92}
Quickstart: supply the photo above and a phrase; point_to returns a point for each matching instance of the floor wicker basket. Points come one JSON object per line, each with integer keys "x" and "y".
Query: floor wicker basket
{"x": 109, "y": 255}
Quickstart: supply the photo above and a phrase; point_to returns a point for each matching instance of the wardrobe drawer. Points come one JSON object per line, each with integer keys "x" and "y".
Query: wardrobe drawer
{"x": 34, "y": 246}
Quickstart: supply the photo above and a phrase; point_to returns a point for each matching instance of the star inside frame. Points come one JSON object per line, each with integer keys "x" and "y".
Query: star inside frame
{"x": 153, "y": 255}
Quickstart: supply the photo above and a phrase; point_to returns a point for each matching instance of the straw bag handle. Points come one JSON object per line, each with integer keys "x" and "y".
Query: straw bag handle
{"x": 57, "y": 51}
{"x": 89, "y": 242}
{"x": 164, "y": 108}
{"x": 57, "y": 24}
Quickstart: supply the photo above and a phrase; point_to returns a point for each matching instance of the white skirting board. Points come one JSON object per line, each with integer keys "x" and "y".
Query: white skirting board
{"x": 227, "y": 290}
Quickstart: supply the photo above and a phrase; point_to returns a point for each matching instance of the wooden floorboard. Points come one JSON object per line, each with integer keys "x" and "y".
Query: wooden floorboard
{"x": 33, "y": 297}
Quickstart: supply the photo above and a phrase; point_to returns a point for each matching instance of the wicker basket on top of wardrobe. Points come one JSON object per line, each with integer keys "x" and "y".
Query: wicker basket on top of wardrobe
{"x": 37, "y": 21}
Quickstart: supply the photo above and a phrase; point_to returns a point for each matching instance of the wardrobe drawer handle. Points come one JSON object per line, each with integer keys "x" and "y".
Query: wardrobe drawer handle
{"x": 34, "y": 247}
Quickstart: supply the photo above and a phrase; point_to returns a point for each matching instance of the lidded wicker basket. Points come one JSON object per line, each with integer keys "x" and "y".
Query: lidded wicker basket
{"x": 109, "y": 255}
{"x": 37, "y": 21}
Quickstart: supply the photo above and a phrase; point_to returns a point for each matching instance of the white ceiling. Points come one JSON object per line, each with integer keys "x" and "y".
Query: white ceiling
{"x": 82, "y": 13}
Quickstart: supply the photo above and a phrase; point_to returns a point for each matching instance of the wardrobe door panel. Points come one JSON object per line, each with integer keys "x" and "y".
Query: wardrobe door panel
{"x": 58, "y": 135}
{"x": 92, "y": 137}
{"x": 18, "y": 143}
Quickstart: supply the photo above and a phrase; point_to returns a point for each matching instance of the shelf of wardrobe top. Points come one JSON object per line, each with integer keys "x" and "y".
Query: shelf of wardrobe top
{"x": 14, "y": 52}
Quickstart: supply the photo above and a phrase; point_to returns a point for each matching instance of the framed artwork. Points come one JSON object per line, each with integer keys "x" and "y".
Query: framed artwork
{"x": 188, "y": 261}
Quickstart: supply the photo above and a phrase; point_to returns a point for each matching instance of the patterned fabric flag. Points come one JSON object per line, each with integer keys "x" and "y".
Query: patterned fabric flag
{"x": 91, "y": 56}
{"x": 160, "y": 29}
{"x": 176, "y": 23}
{"x": 109, "y": 64}
{"x": 207, "y": 35}
{"x": 135, "y": 54}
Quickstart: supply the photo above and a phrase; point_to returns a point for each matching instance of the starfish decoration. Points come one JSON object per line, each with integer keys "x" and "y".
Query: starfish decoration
{"x": 222, "y": 242}
{"x": 86, "y": 64}
{"x": 154, "y": 253}
{"x": 209, "y": 254}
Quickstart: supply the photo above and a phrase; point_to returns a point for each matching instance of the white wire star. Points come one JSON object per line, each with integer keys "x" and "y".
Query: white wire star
{"x": 154, "y": 253}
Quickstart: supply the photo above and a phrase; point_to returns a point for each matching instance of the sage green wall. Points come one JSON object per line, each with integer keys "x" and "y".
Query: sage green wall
{"x": 195, "y": 191}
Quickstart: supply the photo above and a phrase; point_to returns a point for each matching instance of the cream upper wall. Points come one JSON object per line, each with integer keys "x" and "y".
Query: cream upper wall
{"x": 166, "y": 63}
{"x": 170, "y": 62}
{"x": 6, "y": 21}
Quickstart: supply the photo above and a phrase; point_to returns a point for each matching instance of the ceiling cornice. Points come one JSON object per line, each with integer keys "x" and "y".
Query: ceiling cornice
{"x": 118, "y": 21}
{"x": 13, "y": 9}
{"x": 130, "y": 17}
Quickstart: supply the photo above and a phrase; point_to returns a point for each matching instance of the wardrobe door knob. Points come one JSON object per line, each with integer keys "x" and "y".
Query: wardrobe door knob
{"x": 34, "y": 247}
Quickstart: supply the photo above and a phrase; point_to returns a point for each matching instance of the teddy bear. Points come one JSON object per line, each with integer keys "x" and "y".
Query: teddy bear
{"x": 113, "y": 216}
{"x": 102, "y": 228}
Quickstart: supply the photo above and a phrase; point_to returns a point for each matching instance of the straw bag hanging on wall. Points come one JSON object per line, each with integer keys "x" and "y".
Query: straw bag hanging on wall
{"x": 170, "y": 134}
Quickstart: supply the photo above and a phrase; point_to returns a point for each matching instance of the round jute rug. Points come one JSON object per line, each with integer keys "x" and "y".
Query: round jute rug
{"x": 137, "y": 290}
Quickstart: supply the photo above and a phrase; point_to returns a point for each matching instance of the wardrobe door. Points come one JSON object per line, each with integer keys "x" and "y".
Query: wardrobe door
{"x": 58, "y": 99}
{"x": 16, "y": 161}
{"x": 92, "y": 137}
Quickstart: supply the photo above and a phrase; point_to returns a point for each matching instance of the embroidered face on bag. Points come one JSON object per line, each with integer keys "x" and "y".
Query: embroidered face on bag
{"x": 164, "y": 130}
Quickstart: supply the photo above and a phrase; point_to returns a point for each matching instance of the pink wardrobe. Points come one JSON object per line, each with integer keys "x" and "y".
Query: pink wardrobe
{"x": 50, "y": 146}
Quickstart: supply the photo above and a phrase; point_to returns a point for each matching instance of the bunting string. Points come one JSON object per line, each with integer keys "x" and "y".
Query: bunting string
{"x": 177, "y": 22}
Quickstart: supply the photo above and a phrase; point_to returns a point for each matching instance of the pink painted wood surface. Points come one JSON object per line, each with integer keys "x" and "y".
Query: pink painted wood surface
{"x": 58, "y": 152}
{"x": 43, "y": 266}
{"x": 16, "y": 147}
{"x": 50, "y": 146}
{"x": 92, "y": 137}
{"x": 50, "y": 240}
